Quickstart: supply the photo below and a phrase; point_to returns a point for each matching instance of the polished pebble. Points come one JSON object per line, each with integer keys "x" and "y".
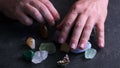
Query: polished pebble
{"x": 50, "y": 47}
{"x": 43, "y": 31}
{"x": 64, "y": 48}
{"x": 30, "y": 42}
{"x": 28, "y": 55}
{"x": 90, "y": 53}
{"x": 39, "y": 56}
{"x": 78, "y": 50}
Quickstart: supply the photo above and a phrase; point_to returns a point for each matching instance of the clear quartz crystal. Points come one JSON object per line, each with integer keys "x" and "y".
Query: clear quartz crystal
{"x": 39, "y": 56}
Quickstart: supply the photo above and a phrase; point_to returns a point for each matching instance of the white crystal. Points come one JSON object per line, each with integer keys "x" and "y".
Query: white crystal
{"x": 90, "y": 53}
{"x": 39, "y": 56}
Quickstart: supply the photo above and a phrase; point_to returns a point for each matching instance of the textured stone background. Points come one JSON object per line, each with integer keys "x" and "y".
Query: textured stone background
{"x": 13, "y": 35}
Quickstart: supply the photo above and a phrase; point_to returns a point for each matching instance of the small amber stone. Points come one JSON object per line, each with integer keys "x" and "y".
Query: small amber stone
{"x": 31, "y": 42}
{"x": 43, "y": 31}
{"x": 65, "y": 48}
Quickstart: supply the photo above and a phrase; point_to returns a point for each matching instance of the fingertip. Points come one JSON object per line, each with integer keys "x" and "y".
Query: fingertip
{"x": 82, "y": 46}
{"x": 101, "y": 45}
{"x": 73, "y": 46}
{"x": 61, "y": 40}
{"x": 27, "y": 22}
{"x": 57, "y": 17}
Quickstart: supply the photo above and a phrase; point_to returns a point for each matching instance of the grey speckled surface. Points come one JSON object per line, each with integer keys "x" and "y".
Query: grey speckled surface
{"x": 13, "y": 35}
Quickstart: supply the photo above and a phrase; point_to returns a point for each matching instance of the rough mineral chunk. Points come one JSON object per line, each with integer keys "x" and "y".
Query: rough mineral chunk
{"x": 39, "y": 56}
{"x": 50, "y": 47}
{"x": 43, "y": 31}
{"x": 78, "y": 50}
{"x": 65, "y": 48}
{"x": 31, "y": 42}
{"x": 64, "y": 61}
{"x": 90, "y": 53}
{"x": 28, "y": 55}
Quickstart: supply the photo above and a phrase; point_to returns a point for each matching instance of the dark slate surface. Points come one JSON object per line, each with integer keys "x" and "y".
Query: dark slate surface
{"x": 13, "y": 35}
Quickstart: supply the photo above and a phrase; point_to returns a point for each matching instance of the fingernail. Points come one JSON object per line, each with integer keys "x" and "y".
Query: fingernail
{"x": 101, "y": 45}
{"x": 58, "y": 18}
{"x": 73, "y": 46}
{"x": 82, "y": 46}
{"x": 52, "y": 23}
{"x": 61, "y": 40}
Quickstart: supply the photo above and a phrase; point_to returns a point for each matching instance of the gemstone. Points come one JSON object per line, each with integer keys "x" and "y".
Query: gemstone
{"x": 64, "y": 61}
{"x": 28, "y": 55}
{"x": 31, "y": 42}
{"x": 78, "y": 50}
{"x": 65, "y": 48}
{"x": 43, "y": 31}
{"x": 50, "y": 47}
{"x": 90, "y": 53}
{"x": 39, "y": 56}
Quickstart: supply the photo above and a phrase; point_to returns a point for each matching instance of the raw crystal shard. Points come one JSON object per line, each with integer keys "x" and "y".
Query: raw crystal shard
{"x": 50, "y": 47}
{"x": 65, "y": 48}
{"x": 43, "y": 31}
{"x": 90, "y": 53}
{"x": 28, "y": 55}
{"x": 78, "y": 50}
{"x": 31, "y": 42}
{"x": 39, "y": 56}
{"x": 64, "y": 61}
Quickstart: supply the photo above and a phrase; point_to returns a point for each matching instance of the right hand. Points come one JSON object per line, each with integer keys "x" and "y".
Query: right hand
{"x": 40, "y": 10}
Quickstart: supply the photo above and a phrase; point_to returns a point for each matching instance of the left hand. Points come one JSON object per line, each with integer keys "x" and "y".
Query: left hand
{"x": 84, "y": 15}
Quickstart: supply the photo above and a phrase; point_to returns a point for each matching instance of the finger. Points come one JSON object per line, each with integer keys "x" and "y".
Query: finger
{"x": 81, "y": 20}
{"x": 44, "y": 11}
{"x": 52, "y": 9}
{"x": 67, "y": 24}
{"x": 100, "y": 32}
{"x": 86, "y": 32}
{"x": 33, "y": 12}
{"x": 23, "y": 18}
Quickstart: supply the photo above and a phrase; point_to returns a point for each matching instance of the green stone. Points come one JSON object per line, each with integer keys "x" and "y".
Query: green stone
{"x": 28, "y": 55}
{"x": 90, "y": 53}
{"x": 50, "y": 47}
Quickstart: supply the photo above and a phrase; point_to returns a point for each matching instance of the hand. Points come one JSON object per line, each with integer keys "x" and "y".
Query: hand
{"x": 23, "y": 10}
{"x": 83, "y": 16}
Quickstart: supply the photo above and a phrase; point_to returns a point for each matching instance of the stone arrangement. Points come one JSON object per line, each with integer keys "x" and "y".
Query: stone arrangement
{"x": 49, "y": 48}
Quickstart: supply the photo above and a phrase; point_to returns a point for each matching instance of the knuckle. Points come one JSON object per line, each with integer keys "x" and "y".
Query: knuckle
{"x": 74, "y": 40}
{"x": 78, "y": 26}
{"x": 34, "y": 13}
{"x": 83, "y": 40}
{"x": 88, "y": 27}
{"x": 68, "y": 23}
{"x": 76, "y": 6}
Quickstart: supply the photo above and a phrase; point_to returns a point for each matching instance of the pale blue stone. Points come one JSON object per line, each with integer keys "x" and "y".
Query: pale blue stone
{"x": 39, "y": 56}
{"x": 78, "y": 50}
{"x": 90, "y": 53}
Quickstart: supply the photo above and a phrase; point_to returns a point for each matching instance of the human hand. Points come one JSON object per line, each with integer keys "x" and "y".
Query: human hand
{"x": 23, "y": 10}
{"x": 83, "y": 16}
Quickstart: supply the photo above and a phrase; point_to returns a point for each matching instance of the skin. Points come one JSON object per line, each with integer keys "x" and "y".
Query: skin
{"x": 83, "y": 16}
{"x": 23, "y": 10}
